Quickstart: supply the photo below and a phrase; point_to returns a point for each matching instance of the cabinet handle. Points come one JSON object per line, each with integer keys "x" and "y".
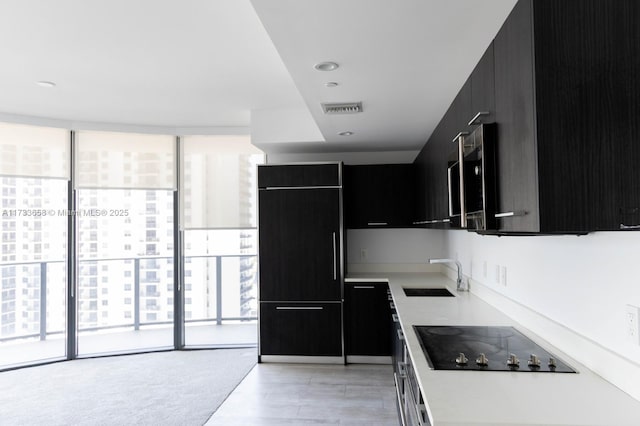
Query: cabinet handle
{"x": 394, "y": 317}
{"x": 623, "y": 226}
{"x": 364, "y": 286}
{"x": 299, "y": 308}
{"x": 425, "y": 222}
{"x": 440, "y": 221}
{"x": 511, "y": 214}
{"x": 475, "y": 118}
{"x": 400, "y": 334}
{"x": 377, "y": 223}
{"x": 335, "y": 260}
{"x": 458, "y": 136}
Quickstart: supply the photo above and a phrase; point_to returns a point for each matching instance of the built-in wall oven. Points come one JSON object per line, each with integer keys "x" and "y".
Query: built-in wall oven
{"x": 472, "y": 179}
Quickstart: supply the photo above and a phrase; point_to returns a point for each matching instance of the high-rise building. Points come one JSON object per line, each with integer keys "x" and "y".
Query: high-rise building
{"x": 125, "y": 241}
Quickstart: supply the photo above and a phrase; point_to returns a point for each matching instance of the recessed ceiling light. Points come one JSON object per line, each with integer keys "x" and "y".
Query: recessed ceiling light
{"x": 44, "y": 83}
{"x": 345, "y": 133}
{"x": 331, "y": 84}
{"x": 326, "y": 66}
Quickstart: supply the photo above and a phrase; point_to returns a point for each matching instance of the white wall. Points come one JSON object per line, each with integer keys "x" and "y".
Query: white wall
{"x": 582, "y": 284}
{"x": 394, "y": 246}
{"x": 570, "y": 290}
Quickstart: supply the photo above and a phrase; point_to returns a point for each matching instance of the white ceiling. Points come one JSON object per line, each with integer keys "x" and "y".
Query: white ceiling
{"x": 211, "y": 64}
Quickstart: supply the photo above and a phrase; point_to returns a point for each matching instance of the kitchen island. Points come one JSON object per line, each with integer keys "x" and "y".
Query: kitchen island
{"x": 497, "y": 397}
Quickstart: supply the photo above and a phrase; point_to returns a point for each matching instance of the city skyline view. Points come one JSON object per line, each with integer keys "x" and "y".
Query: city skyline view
{"x": 125, "y": 207}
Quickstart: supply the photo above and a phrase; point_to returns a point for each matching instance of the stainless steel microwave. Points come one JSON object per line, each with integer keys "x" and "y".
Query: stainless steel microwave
{"x": 472, "y": 179}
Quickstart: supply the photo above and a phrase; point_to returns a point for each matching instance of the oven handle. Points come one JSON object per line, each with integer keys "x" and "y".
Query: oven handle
{"x": 450, "y": 190}
{"x": 463, "y": 204}
{"x": 403, "y": 421}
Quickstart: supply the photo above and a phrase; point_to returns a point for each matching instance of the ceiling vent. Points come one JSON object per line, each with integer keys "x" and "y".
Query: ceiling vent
{"x": 342, "y": 108}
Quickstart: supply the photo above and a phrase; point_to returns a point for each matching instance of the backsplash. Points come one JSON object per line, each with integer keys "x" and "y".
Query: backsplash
{"x": 572, "y": 290}
{"x": 581, "y": 284}
{"x": 394, "y": 246}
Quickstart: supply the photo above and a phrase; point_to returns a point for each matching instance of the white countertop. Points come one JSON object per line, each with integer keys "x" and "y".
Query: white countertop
{"x": 498, "y": 398}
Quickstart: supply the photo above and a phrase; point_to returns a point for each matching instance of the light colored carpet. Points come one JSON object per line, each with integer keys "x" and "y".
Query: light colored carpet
{"x": 167, "y": 388}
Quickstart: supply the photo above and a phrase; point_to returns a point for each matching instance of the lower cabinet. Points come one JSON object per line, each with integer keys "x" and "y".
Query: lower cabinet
{"x": 367, "y": 328}
{"x": 397, "y": 342}
{"x": 307, "y": 329}
{"x": 410, "y": 403}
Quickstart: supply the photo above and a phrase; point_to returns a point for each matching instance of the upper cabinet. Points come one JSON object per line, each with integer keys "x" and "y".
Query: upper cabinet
{"x": 515, "y": 115}
{"x": 483, "y": 98}
{"x": 379, "y": 196}
{"x": 560, "y": 80}
{"x": 567, "y": 106}
{"x": 475, "y": 100}
{"x": 432, "y": 209}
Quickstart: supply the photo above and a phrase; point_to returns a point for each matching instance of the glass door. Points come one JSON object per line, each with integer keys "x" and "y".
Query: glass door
{"x": 34, "y": 173}
{"x": 125, "y": 228}
{"x": 218, "y": 186}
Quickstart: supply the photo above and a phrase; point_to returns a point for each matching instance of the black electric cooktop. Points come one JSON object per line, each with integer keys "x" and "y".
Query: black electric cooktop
{"x": 504, "y": 349}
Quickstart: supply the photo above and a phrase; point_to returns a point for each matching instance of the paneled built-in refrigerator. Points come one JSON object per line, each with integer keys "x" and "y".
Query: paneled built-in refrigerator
{"x": 301, "y": 235}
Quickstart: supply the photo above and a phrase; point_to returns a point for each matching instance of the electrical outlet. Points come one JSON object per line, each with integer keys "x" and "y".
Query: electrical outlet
{"x": 497, "y": 274}
{"x": 484, "y": 269}
{"x": 631, "y": 322}
{"x": 363, "y": 254}
{"x": 503, "y": 275}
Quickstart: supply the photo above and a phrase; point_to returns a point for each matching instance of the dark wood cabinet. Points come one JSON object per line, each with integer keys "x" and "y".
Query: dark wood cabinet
{"x": 300, "y": 329}
{"x": 379, "y": 196}
{"x": 460, "y": 112}
{"x": 367, "y": 312}
{"x": 514, "y": 98}
{"x": 397, "y": 342}
{"x": 432, "y": 162}
{"x": 560, "y": 80}
{"x": 299, "y": 175}
{"x": 567, "y": 103}
{"x": 476, "y": 95}
{"x": 300, "y": 238}
{"x": 483, "y": 98}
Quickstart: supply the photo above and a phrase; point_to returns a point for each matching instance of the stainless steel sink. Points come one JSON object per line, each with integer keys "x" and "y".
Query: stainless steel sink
{"x": 427, "y": 292}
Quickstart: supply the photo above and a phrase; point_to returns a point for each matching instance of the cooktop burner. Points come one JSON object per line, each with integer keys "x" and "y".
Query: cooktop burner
{"x": 485, "y": 349}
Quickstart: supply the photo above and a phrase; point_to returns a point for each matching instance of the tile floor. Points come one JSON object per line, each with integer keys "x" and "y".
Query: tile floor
{"x": 304, "y": 394}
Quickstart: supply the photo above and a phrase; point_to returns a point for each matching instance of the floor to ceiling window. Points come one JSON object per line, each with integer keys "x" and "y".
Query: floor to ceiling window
{"x": 218, "y": 185}
{"x": 34, "y": 173}
{"x": 125, "y": 223}
{"x": 102, "y": 253}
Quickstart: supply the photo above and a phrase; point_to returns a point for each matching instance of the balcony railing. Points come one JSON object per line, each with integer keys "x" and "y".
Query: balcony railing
{"x": 138, "y": 280}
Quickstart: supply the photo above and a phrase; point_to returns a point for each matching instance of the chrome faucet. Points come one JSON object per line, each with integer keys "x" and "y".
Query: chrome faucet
{"x": 459, "y": 282}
